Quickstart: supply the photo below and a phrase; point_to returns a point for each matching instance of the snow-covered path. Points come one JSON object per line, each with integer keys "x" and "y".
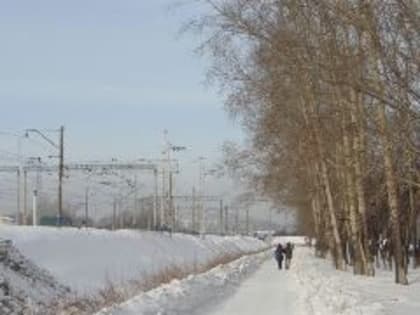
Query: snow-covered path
{"x": 268, "y": 292}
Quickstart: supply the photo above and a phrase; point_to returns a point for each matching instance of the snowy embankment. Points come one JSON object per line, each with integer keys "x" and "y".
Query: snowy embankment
{"x": 192, "y": 295}
{"x": 23, "y": 285}
{"x": 89, "y": 260}
{"x": 326, "y": 291}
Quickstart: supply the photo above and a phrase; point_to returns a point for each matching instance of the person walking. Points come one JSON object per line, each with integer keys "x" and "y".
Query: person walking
{"x": 279, "y": 255}
{"x": 288, "y": 252}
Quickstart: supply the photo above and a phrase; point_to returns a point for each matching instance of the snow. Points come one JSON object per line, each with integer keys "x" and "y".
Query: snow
{"x": 311, "y": 287}
{"x": 269, "y": 291}
{"x": 193, "y": 295}
{"x": 89, "y": 259}
{"x": 86, "y": 260}
{"x": 24, "y": 285}
{"x": 326, "y": 291}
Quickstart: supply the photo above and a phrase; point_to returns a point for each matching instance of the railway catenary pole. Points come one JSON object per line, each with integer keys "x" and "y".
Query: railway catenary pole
{"x": 155, "y": 198}
{"x": 221, "y": 217}
{"x": 60, "y": 177}
{"x": 25, "y": 197}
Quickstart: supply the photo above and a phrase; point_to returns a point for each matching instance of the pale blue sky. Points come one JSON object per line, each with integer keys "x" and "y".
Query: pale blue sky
{"x": 115, "y": 73}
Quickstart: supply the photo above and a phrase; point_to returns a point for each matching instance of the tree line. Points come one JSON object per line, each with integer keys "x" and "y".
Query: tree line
{"x": 328, "y": 92}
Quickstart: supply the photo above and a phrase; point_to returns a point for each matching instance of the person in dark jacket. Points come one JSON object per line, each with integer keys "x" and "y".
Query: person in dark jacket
{"x": 288, "y": 252}
{"x": 279, "y": 255}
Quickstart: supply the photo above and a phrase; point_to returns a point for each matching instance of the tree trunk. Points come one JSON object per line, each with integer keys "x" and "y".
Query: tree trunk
{"x": 412, "y": 218}
{"x": 359, "y": 259}
{"x": 400, "y": 270}
{"x": 327, "y": 187}
{"x": 341, "y": 177}
{"x": 359, "y": 157}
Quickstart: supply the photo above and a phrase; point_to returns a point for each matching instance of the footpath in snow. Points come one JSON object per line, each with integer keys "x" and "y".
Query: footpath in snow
{"x": 269, "y": 292}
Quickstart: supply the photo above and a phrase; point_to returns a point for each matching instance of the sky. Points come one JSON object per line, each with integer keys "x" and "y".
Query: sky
{"x": 116, "y": 74}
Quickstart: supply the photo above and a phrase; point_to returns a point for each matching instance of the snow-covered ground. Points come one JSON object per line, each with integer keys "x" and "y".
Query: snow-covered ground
{"x": 311, "y": 287}
{"x": 89, "y": 259}
{"x": 193, "y": 295}
{"x": 209, "y": 293}
{"x": 325, "y": 291}
{"x": 23, "y": 285}
{"x": 269, "y": 291}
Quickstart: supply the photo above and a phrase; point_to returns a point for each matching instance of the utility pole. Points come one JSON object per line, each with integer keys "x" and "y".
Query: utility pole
{"x": 86, "y": 206}
{"x": 201, "y": 192}
{"x": 18, "y": 210}
{"x": 193, "y": 211}
{"x": 155, "y": 198}
{"x": 60, "y": 147}
{"x": 120, "y": 214}
{"x": 136, "y": 207}
{"x": 145, "y": 210}
{"x": 114, "y": 214}
{"x": 168, "y": 147}
{"x": 226, "y": 219}
{"x": 167, "y": 167}
{"x": 37, "y": 195}
{"x": 236, "y": 220}
{"x": 221, "y": 217}
{"x": 60, "y": 176}
{"x": 177, "y": 210}
{"x": 25, "y": 197}
{"x": 35, "y": 208}
{"x": 247, "y": 220}
{"x": 145, "y": 213}
{"x": 162, "y": 198}
{"x": 202, "y": 219}
{"x": 171, "y": 202}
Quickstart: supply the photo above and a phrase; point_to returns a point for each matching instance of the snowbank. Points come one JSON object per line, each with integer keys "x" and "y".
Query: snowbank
{"x": 88, "y": 259}
{"x": 325, "y": 291}
{"x": 192, "y": 295}
{"x": 24, "y": 285}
